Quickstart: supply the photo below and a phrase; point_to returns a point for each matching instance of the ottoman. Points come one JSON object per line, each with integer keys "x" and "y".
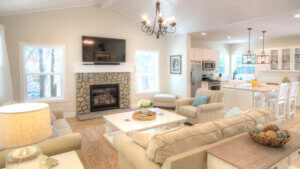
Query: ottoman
{"x": 164, "y": 100}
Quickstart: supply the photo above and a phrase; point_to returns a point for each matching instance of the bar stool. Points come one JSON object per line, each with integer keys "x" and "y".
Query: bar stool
{"x": 280, "y": 102}
{"x": 291, "y": 100}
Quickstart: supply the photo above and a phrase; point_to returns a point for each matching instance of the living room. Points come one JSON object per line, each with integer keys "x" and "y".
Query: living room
{"x": 52, "y": 60}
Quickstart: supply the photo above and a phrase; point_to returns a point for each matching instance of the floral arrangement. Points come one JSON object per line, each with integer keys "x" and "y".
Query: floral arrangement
{"x": 144, "y": 104}
{"x": 285, "y": 79}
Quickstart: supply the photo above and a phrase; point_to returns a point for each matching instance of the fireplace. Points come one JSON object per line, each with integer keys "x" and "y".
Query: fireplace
{"x": 104, "y": 97}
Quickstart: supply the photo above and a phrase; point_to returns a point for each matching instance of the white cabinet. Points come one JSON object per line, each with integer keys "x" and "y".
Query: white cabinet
{"x": 274, "y": 60}
{"x": 296, "y": 59}
{"x": 286, "y": 59}
{"x": 201, "y": 54}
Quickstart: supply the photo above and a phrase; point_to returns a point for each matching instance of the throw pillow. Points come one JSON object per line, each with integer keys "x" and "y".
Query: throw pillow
{"x": 233, "y": 112}
{"x": 143, "y": 138}
{"x": 200, "y": 100}
{"x": 55, "y": 132}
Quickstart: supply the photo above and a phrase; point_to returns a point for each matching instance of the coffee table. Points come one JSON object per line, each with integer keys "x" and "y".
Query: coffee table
{"x": 124, "y": 122}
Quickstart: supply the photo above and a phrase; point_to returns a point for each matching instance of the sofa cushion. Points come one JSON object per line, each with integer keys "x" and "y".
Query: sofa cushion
{"x": 200, "y": 100}
{"x": 164, "y": 98}
{"x": 215, "y": 96}
{"x": 143, "y": 138}
{"x": 260, "y": 115}
{"x": 65, "y": 131}
{"x": 61, "y": 124}
{"x": 181, "y": 139}
{"x": 188, "y": 111}
{"x": 234, "y": 125}
{"x": 52, "y": 116}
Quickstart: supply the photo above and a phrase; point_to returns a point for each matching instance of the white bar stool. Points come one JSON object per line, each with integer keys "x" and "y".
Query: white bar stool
{"x": 291, "y": 100}
{"x": 280, "y": 102}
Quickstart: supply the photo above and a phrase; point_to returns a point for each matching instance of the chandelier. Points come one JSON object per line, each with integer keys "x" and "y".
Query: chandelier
{"x": 263, "y": 58}
{"x": 249, "y": 57}
{"x": 160, "y": 24}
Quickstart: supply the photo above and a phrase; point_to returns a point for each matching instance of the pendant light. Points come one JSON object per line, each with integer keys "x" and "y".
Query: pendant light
{"x": 249, "y": 57}
{"x": 263, "y": 58}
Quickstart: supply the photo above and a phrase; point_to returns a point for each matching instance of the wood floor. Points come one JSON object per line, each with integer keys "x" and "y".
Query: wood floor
{"x": 98, "y": 153}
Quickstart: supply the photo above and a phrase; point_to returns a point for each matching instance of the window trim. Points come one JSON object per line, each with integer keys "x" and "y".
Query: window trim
{"x": 23, "y": 84}
{"x": 157, "y": 74}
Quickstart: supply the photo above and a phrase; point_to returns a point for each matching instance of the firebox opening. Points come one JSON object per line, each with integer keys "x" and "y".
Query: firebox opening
{"x": 104, "y": 97}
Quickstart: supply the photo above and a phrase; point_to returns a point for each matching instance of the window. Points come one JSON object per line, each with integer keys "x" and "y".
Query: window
{"x": 244, "y": 71}
{"x": 42, "y": 72}
{"x": 223, "y": 66}
{"x": 147, "y": 68}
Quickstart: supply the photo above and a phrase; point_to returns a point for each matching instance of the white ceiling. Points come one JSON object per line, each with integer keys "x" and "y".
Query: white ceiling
{"x": 218, "y": 18}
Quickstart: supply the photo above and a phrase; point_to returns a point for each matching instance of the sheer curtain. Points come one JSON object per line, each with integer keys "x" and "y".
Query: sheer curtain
{"x": 6, "y": 93}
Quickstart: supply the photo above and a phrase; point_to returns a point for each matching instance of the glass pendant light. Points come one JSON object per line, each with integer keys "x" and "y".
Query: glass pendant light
{"x": 263, "y": 58}
{"x": 249, "y": 57}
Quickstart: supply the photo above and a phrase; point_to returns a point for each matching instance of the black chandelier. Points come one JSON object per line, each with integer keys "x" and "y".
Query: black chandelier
{"x": 263, "y": 58}
{"x": 159, "y": 26}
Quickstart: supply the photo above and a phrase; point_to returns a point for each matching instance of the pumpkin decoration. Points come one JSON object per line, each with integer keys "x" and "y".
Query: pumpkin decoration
{"x": 272, "y": 127}
{"x": 271, "y": 134}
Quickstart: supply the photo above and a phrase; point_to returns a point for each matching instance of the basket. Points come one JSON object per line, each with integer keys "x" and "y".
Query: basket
{"x": 139, "y": 115}
{"x": 272, "y": 142}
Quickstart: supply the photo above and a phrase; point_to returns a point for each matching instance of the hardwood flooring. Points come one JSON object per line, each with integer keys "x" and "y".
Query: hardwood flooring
{"x": 98, "y": 153}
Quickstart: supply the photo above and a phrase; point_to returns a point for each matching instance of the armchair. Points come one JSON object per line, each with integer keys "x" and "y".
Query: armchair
{"x": 203, "y": 113}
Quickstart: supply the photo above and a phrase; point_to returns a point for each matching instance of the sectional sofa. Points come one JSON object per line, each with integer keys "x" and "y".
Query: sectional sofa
{"x": 185, "y": 147}
{"x": 62, "y": 140}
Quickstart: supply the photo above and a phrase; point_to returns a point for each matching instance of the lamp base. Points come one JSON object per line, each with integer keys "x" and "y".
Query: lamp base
{"x": 24, "y": 157}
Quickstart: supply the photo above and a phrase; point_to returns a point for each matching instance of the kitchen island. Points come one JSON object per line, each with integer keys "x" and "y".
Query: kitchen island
{"x": 243, "y": 95}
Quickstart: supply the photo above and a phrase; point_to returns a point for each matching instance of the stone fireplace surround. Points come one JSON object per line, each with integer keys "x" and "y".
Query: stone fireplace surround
{"x": 85, "y": 79}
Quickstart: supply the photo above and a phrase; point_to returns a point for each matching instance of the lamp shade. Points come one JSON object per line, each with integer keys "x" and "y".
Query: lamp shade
{"x": 24, "y": 124}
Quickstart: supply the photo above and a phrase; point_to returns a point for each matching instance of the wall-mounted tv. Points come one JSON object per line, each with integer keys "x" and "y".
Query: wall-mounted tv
{"x": 97, "y": 50}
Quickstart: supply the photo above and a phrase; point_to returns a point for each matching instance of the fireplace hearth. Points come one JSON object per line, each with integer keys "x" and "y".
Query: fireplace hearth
{"x": 104, "y": 97}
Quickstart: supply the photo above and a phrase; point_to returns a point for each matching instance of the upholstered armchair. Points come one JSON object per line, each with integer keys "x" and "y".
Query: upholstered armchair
{"x": 203, "y": 113}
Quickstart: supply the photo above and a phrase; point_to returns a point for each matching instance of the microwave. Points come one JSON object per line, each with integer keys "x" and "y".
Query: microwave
{"x": 208, "y": 65}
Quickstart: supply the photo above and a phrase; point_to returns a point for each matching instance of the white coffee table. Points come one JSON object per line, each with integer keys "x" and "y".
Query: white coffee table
{"x": 124, "y": 122}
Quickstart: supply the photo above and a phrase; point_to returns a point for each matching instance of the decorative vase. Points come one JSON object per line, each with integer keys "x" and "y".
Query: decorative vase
{"x": 144, "y": 111}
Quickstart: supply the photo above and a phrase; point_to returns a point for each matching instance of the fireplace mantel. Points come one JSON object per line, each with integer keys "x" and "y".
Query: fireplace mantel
{"x": 102, "y": 68}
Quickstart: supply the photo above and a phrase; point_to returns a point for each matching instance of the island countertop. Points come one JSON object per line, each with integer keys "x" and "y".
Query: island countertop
{"x": 248, "y": 87}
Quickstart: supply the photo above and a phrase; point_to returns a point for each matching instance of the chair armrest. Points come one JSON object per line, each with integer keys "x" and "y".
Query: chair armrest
{"x": 61, "y": 144}
{"x": 138, "y": 159}
{"x": 184, "y": 102}
{"x": 58, "y": 113}
{"x": 210, "y": 107}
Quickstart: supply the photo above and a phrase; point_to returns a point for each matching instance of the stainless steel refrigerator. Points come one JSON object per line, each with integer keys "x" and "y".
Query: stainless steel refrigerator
{"x": 196, "y": 77}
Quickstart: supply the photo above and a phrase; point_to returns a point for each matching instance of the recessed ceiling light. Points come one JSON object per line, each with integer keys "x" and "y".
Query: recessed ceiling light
{"x": 228, "y": 37}
{"x": 261, "y": 37}
{"x": 297, "y": 16}
{"x": 203, "y": 33}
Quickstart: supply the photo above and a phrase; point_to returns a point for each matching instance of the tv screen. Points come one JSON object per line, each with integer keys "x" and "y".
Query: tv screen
{"x": 103, "y": 50}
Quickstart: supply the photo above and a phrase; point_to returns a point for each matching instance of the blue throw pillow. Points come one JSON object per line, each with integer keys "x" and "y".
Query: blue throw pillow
{"x": 200, "y": 100}
{"x": 233, "y": 112}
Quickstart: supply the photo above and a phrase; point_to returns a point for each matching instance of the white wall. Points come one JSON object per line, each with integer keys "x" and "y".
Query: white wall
{"x": 66, "y": 27}
{"x": 177, "y": 83}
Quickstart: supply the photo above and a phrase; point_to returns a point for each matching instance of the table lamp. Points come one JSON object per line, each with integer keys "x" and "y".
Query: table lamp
{"x": 21, "y": 126}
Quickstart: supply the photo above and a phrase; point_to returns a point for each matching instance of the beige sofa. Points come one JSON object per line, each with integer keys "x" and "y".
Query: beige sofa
{"x": 203, "y": 113}
{"x": 185, "y": 147}
{"x": 57, "y": 144}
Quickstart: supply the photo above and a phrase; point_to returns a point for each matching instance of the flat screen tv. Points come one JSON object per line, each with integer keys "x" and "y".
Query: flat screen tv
{"x": 97, "y": 50}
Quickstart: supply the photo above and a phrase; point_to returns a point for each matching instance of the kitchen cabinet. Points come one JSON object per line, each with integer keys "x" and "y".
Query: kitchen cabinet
{"x": 296, "y": 59}
{"x": 274, "y": 59}
{"x": 286, "y": 59}
{"x": 201, "y": 54}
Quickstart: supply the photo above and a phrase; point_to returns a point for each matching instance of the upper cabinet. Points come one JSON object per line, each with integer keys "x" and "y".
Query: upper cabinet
{"x": 274, "y": 60}
{"x": 286, "y": 59}
{"x": 297, "y": 59}
{"x": 281, "y": 59}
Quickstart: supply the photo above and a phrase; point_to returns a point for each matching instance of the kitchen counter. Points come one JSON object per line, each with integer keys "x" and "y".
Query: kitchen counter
{"x": 243, "y": 95}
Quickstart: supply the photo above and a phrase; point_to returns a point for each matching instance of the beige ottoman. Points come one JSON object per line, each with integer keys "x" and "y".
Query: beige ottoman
{"x": 164, "y": 100}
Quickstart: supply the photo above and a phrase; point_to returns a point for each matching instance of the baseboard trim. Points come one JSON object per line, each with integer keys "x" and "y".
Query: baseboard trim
{"x": 70, "y": 114}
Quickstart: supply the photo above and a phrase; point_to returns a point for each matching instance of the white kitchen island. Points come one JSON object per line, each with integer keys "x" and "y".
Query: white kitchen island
{"x": 242, "y": 95}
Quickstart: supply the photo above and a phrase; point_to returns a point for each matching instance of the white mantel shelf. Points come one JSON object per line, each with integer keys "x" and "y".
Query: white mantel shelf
{"x": 102, "y": 68}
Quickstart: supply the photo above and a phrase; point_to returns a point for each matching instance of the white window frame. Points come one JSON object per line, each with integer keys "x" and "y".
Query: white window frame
{"x": 23, "y": 84}
{"x": 157, "y": 73}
